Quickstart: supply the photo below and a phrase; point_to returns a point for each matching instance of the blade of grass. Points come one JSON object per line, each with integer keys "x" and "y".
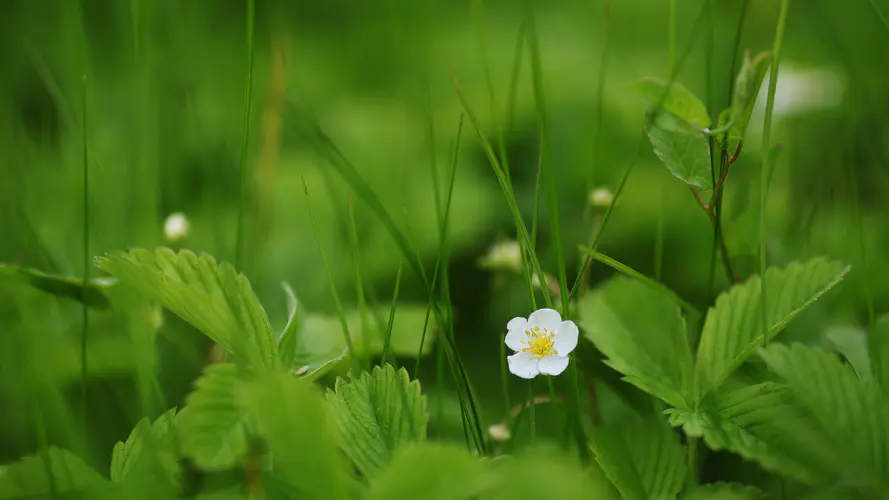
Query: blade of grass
{"x": 336, "y": 298}
{"x": 392, "y": 314}
{"x": 862, "y": 242}
{"x": 654, "y": 285}
{"x": 766, "y": 146}
{"x": 879, "y": 12}
{"x": 244, "y": 179}
{"x": 671, "y": 35}
{"x": 85, "y": 317}
{"x": 356, "y": 262}
{"x": 43, "y": 444}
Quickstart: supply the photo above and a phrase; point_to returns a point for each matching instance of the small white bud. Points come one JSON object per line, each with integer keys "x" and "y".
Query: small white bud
{"x": 503, "y": 255}
{"x": 601, "y": 198}
{"x": 301, "y": 370}
{"x": 499, "y": 432}
{"x": 176, "y": 227}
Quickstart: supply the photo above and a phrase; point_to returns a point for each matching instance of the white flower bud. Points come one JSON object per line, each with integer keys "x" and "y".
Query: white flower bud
{"x": 499, "y": 432}
{"x": 176, "y": 227}
{"x": 504, "y": 255}
{"x": 601, "y": 198}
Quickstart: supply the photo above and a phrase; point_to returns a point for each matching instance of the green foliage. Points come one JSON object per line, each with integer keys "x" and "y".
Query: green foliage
{"x": 747, "y": 87}
{"x": 733, "y": 328}
{"x": 675, "y": 130}
{"x": 378, "y": 413}
{"x": 433, "y": 471}
{"x": 642, "y": 334}
{"x": 148, "y": 460}
{"x": 642, "y": 459}
{"x": 93, "y": 294}
{"x": 290, "y": 416}
{"x": 28, "y": 477}
{"x": 878, "y": 350}
{"x": 723, "y": 491}
{"x": 852, "y": 412}
{"x": 213, "y": 425}
{"x": 213, "y": 297}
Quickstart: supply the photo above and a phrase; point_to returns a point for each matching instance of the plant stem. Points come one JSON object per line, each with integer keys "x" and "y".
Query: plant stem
{"x": 692, "y": 479}
{"x": 766, "y": 146}
{"x": 85, "y": 318}
{"x": 531, "y": 418}
{"x": 672, "y": 35}
{"x": 43, "y": 443}
{"x": 248, "y": 92}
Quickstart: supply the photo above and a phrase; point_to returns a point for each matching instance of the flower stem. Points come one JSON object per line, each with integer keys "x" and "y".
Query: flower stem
{"x": 764, "y": 174}
{"x": 692, "y": 463}
{"x": 532, "y": 421}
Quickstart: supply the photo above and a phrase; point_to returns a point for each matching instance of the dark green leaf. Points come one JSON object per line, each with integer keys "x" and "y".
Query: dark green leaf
{"x": 643, "y": 336}
{"x": 733, "y": 327}
{"x": 723, "y": 491}
{"x": 433, "y": 471}
{"x": 378, "y": 413}
{"x": 93, "y": 295}
{"x": 852, "y": 411}
{"x": 642, "y": 459}
{"x": 683, "y": 149}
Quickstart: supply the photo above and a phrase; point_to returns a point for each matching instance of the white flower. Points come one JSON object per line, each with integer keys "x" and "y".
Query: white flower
{"x": 601, "y": 198}
{"x": 499, "y": 432}
{"x": 176, "y": 227}
{"x": 542, "y": 343}
{"x": 504, "y": 255}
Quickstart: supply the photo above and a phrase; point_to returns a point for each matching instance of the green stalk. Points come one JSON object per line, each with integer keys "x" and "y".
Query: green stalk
{"x": 672, "y": 34}
{"x": 336, "y": 298}
{"x": 356, "y": 262}
{"x": 248, "y": 91}
{"x": 392, "y": 314}
{"x": 862, "y": 242}
{"x": 692, "y": 479}
{"x": 85, "y": 319}
{"x": 532, "y": 421}
{"x": 766, "y": 145}
{"x": 43, "y": 443}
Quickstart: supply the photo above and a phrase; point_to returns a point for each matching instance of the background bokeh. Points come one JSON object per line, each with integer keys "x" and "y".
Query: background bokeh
{"x": 161, "y": 83}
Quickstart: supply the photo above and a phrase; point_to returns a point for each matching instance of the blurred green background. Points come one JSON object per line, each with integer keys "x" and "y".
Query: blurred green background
{"x": 162, "y": 85}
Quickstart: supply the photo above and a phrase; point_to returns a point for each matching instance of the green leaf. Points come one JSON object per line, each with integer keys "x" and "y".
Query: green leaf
{"x": 642, "y": 334}
{"x": 213, "y": 426}
{"x": 747, "y": 87}
{"x": 766, "y": 424}
{"x": 852, "y": 411}
{"x": 378, "y": 413}
{"x": 433, "y": 471}
{"x": 93, "y": 294}
{"x": 723, "y": 491}
{"x": 27, "y": 478}
{"x": 148, "y": 459}
{"x": 733, "y": 327}
{"x": 674, "y": 98}
{"x": 214, "y": 298}
{"x": 290, "y": 416}
{"x": 320, "y": 339}
{"x": 540, "y": 474}
{"x": 851, "y": 342}
{"x": 288, "y": 338}
{"x": 642, "y": 459}
{"x": 683, "y": 149}
{"x": 878, "y": 349}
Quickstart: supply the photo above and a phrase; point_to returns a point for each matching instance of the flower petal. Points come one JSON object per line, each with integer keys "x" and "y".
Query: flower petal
{"x": 545, "y": 318}
{"x": 565, "y": 339}
{"x": 517, "y": 324}
{"x": 552, "y": 365}
{"x": 523, "y": 364}
{"x": 514, "y": 338}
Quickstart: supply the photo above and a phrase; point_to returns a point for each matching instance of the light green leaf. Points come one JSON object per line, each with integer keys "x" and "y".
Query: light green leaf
{"x": 288, "y": 338}
{"x": 723, "y": 491}
{"x": 683, "y": 149}
{"x": 27, "y": 478}
{"x": 320, "y": 337}
{"x": 733, "y": 327}
{"x": 433, "y": 471}
{"x": 674, "y": 98}
{"x": 747, "y": 87}
{"x": 93, "y": 294}
{"x": 644, "y": 460}
{"x": 851, "y": 342}
{"x": 148, "y": 459}
{"x": 378, "y": 413}
{"x": 214, "y": 298}
{"x": 292, "y": 418}
{"x": 852, "y": 411}
{"x": 766, "y": 424}
{"x": 643, "y": 336}
{"x": 213, "y": 426}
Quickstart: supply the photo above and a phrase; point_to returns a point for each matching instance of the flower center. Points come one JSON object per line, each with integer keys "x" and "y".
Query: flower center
{"x": 540, "y": 343}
